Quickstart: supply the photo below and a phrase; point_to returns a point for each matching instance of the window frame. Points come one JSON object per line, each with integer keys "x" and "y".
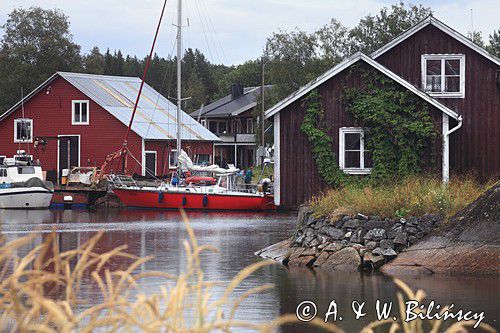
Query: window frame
{"x": 203, "y": 123}
{"x": 73, "y": 102}
{"x": 250, "y": 121}
{"x": 443, "y": 58}
{"x": 169, "y": 154}
{"x": 146, "y": 152}
{"x": 353, "y": 171}
{"x": 16, "y": 140}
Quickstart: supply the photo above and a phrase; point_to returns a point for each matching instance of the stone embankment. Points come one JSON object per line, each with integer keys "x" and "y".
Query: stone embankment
{"x": 351, "y": 243}
{"x": 468, "y": 244}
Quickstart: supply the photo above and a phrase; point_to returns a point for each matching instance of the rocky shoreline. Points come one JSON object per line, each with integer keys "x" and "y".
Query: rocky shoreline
{"x": 351, "y": 243}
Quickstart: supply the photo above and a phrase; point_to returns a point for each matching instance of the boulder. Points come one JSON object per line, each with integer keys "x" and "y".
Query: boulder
{"x": 323, "y": 256}
{"x": 352, "y": 224}
{"x": 378, "y": 251}
{"x": 334, "y": 247}
{"x": 346, "y": 259}
{"x": 302, "y": 261}
{"x": 370, "y": 245}
{"x": 376, "y": 234}
{"x": 334, "y": 233}
{"x": 467, "y": 244}
{"x": 372, "y": 261}
{"x": 357, "y": 236}
{"x": 387, "y": 244}
{"x": 401, "y": 239}
{"x": 389, "y": 254}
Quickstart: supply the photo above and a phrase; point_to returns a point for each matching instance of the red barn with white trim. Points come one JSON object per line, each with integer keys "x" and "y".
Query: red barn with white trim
{"x": 86, "y": 116}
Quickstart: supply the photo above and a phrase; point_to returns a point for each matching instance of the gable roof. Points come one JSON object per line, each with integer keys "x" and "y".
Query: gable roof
{"x": 345, "y": 64}
{"x": 431, "y": 20}
{"x": 226, "y": 106}
{"x": 156, "y": 116}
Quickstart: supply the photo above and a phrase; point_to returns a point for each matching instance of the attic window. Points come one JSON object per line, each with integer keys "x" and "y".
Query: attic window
{"x": 23, "y": 130}
{"x": 443, "y": 75}
{"x": 80, "y": 112}
{"x": 354, "y": 158}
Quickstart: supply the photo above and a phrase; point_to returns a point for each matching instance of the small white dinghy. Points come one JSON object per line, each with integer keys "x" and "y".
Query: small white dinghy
{"x": 22, "y": 184}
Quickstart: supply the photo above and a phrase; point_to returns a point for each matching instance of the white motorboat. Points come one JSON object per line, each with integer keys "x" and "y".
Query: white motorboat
{"x": 22, "y": 184}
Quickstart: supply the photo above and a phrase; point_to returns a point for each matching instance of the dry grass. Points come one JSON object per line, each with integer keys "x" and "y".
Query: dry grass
{"x": 412, "y": 197}
{"x": 41, "y": 293}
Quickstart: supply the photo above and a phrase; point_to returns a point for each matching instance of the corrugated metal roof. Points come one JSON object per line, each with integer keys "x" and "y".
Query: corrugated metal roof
{"x": 156, "y": 116}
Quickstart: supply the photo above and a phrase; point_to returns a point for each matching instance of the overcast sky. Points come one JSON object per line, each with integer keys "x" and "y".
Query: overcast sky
{"x": 231, "y": 31}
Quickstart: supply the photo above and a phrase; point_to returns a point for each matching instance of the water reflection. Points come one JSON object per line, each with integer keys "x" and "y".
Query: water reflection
{"x": 238, "y": 236}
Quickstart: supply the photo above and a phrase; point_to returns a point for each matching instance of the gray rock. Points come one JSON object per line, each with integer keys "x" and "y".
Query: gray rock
{"x": 395, "y": 229}
{"x": 362, "y": 217}
{"x": 376, "y": 234}
{"x": 314, "y": 242}
{"x": 387, "y": 244}
{"x": 420, "y": 235}
{"x": 378, "y": 251}
{"x": 352, "y": 224}
{"x": 334, "y": 247}
{"x": 401, "y": 239}
{"x": 402, "y": 220}
{"x": 347, "y": 259}
{"x": 425, "y": 226}
{"x": 389, "y": 254}
{"x": 308, "y": 252}
{"x": 320, "y": 223}
{"x": 370, "y": 245}
{"x": 299, "y": 240}
{"x": 412, "y": 239}
{"x": 303, "y": 215}
{"x": 333, "y": 232}
{"x": 412, "y": 230}
{"x": 345, "y": 218}
{"x": 412, "y": 221}
{"x": 323, "y": 256}
{"x": 357, "y": 236}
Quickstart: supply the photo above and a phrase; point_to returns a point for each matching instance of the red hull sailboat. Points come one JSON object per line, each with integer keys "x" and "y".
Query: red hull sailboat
{"x": 198, "y": 192}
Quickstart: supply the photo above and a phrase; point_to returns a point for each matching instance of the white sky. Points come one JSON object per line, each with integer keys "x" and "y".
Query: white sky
{"x": 235, "y": 30}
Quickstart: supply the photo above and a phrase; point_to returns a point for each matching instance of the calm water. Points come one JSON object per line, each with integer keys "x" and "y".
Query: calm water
{"x": 238, "y": 236}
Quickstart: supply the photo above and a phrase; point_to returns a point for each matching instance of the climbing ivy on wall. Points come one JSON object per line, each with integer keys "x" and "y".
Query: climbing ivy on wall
{"x": 321, "y": 142}
{"x": 398, "y": 124}
{"x": 397, "y": 128}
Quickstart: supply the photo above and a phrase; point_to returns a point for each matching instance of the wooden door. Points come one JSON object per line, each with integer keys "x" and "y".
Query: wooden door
{"x": 69, "y": 152}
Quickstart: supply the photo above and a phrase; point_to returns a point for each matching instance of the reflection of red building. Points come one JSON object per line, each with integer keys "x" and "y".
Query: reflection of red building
{"x": 77, "y": 119}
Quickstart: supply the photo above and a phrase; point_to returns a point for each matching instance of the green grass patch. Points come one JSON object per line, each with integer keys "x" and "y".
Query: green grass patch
{"x": 413, "y": 196}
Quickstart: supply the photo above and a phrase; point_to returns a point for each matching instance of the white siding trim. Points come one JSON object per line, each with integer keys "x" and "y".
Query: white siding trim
{"x": 143, "y": 157}
{"x": 345, "y": 64}
{"x": 441, "y": 26}
{"x": 277, "y": 161}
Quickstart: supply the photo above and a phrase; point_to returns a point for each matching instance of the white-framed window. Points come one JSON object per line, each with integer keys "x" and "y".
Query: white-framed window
{"x": 172, "y": 159}
{"x": 354, "y": 158}
{"x": 80, "y": 112}
{"x": 23, "y": 130}
{"x": 217, "y": 126}
{"x": 443, "y": 75}
{"x": 203, "y": 122}
{"x": 236, "y": 126}
{"x": 250, "y": 126}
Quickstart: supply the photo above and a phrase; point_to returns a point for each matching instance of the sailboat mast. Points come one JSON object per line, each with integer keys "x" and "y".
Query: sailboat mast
{"x": 179, "y": 76}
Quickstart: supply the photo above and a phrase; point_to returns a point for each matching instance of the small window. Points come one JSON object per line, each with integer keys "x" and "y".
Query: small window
{"x": 172, "y": 159}
{"x": 26, "y": 170}
{"x": 23, "y": 130}
{"x": 443, "y": 75}
{"x": 250, "y": 126}
{"x": 236, "y": 126}
{"x": 202, "y": 159}
{"x": 80, "y": 113}
{"x": 354, "y": 158}
{"x": 3, "y": 172}
{"x": 204, "y": 122}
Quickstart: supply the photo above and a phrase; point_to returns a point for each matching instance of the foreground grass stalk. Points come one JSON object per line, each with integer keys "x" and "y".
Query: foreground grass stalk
{"x": 41, "y": 292}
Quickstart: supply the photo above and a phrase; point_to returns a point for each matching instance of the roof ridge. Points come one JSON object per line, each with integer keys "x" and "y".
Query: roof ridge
{"x": 104, "y": 76}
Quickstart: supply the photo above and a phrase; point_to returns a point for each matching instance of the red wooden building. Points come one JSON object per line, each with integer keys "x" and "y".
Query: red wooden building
{"x": 458, "y": 80}
{"x": 86, "y": 116}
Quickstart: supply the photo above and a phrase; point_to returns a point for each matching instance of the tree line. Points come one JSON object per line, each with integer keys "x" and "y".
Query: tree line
{"x": 37, "y": 42}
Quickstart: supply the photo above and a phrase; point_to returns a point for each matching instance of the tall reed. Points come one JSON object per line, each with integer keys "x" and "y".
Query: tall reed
{"x": 41, "y": 292}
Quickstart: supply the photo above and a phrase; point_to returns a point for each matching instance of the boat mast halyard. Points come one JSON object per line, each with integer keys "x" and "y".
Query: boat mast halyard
{"x": 179, "y": 83}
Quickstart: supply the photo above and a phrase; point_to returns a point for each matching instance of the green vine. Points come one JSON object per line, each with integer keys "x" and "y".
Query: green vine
{"x": 322, "y": 147}
{"x": 397, "y": 125}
